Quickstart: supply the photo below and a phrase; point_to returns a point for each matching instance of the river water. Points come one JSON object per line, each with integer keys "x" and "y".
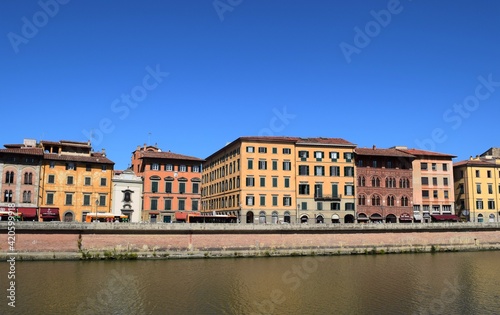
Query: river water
{"x": 442, "y": 283}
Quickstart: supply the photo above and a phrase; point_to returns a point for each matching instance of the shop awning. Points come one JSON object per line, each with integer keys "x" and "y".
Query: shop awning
{"x": 376, "y": 216}
{"x": 335, "y": 217}
{"x": 180, "y": 215}
{"x": 405, "y": 217}
{"x": 445, "y": 217}
{"x": 417, "y": 217}
{"x": 49, "y": 213}
{"x": 362, "y": 217}
{"x": 28, "y": 213}
{"x": 154, "y": 212}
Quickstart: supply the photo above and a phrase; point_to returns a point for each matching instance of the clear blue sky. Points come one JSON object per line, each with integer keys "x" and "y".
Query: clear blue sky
{"x": 192, "y": 76}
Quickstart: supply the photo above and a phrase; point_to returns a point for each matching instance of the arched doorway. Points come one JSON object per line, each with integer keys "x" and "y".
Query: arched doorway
{"x": 336, "y": 218}
{"x": 304, "y": 219}
{"x": 286, "y": 218}
{"x": 249, "y": 217}
{"x": 68, "y": 216}
{"x": 262, "y": 217}
{"x": 480, "y": 218}
{"x": 376, "y": 218}
{"x": 320, "y": 219}
{"x": 274, "y": 217}
{"x": 362, "y": 218}
{"x": 391, "y": 218}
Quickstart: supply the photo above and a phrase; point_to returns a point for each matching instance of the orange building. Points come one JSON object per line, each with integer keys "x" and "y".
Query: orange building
{"x": 74, "y": 181}
{"x": 171, "y": 183}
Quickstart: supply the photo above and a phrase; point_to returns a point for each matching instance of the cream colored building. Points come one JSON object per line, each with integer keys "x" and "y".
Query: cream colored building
{"x": 281, "y": 179}
{"x": 127, "y": 195}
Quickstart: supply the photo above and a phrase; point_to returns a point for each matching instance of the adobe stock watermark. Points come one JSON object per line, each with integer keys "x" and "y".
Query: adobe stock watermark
{"x": 363, "y": 36}
{"x": 440, "y": 304}
{"x": 31, "y": 26}
{"x": 460, "y": 112}
{"x": 278, "y": 122}
{"x": 120, "y": 294}
{"x": 123, "y": 105}
{"x": 293, "y": 279}
{"x": 223, "y": 6}
{"x": 11, "y": 256}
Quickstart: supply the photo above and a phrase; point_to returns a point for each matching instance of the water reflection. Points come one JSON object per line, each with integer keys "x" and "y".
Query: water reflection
{"x": 452, "y": 283}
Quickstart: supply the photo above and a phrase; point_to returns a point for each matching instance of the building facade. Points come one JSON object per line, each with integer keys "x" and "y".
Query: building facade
{"x": 281, "y": 179}
{"x": 477, "y": 187}
{"x": 433, "y": 191}
{"x": 171, "y": 183}
{"x": 20, "y": 170}
{"x": 74, "y": 181}
{"x": 127, "y": 195}
{"x": 384, "y": 186}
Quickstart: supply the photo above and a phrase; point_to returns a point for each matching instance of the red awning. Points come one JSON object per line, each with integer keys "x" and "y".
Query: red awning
{"x": 49, "y": 213}
{"x": 28, "y": 213}
{"x": 154, "y": 212}
{"x": 445, "y": 217}
{"x": 180, "y": 215}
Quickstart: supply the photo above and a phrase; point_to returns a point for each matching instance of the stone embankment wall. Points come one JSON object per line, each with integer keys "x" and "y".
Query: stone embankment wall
{"x": 38, "y": 240}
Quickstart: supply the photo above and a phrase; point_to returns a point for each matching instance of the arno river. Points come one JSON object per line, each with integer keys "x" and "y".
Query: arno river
{"x": 442, "y": 283}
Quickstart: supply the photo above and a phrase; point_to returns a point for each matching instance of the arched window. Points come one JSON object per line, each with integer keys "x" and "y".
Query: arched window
{"x": 404, "y": 183}
{"x": 375, "y": 200}
{"x": 262, "y": 217}
{"x": 7, "y": 196}
{"x": 361, "y": 181}
{"x": 68, "y": 217}
{"x": 275, "y": 217}
{"x": 390, "y": 201}
{"x": 390, "y": 182}
{"x": 286, "y": 218}
{"x": 361, "y": 200}
{"x": 404, "y": 201}
{"x": 375, "y": 181}
{"x": 9, "y": 178}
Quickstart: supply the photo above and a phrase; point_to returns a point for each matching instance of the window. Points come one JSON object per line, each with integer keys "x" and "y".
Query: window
{"x": 127, "y": 196}
{"x": 9, "y": 177}
{"x": 478, "y": 188}
{"x": 250, "y": 164}
{"x": 102, "y": 200}
{"x": 275, "y": 182}
{"x": 52, "y": 164}
{"x": 303, "y": 170}
{"x": 168, "y": 204}
{"x": 28, "y": 178}
{"x": 435, "y": 209}
{"x": 445, "y": 181}
{"x": 182, "y": 188}
{"x": 435, "y": 193}
{"x": 69, "y": 180}
{"x": 86, "y": 200}
{"x": 490, "y": 189}
{"x": 50, "y": 198}
{"x": 390, "y": 182}
{"x": 389, "y": 164}
{"x": 335, "y": 190}
{"x": 287, "y": 182}
{"x": 491, "y": 204}
{"x": 194, "y": 204}
{"x": 169, "y": 167}
{"x": 287, "y": 166}
{"x": 275, "y": 165}
{"x": 182, "y": 168}
{"x": 361, "y": 200}
{"x": 262, "y": 182}
{"x": 182, "y": 204}
{"x": 404, "y": 201}
{"x": 446, "y": 208}
{"x": 348, "y": 171}
{"x": 262, "y": 150}
{"x": 375, "y": 200}
{"x": 477, "y": 173}
{"x": 88, "y": 167}
{"x": 318, "y": 191}
{"x": 446, "y": 194}
{"x": 445, "y": 167}
{"x": 154, "y": 187}
{"x": 335, "y": 206}
{"x": 434, "y": 167}
{"x": 303, "y": 155}
{"x": 26, "y": 196}
{"x": 303, "y": 205}
{"x": 374, "y": 163}
{"x": 69, "y": 199}
{"x": 334, "y": 156}
{"x": 275, "y": 200}
{"x": 349, "y": 190}
{"x": 287, "y": 151}
{"x": 425, "y": 194}
{"x": 262, "y": 165}
{"x": 250, "y": 182}
{"x": 319, "y": 206}
{"x": 479, "y": 204}
{"x": 425, "y": 181}
{"x": 154, "y": 204}
{"x": 349, "y": 205}
{"x": 262, "y": 200}
{"x": 375, "y": 181}
{"x": 361, "y": 181}
{"x": 434, "y": 181}
{"x": 168, "y": 187}
{"x": 196, "y": 188}
{"x": 348, "y": 156}
{"x": 250, "y": 149}
{"x": 303, "y": 189}
{"x": 195, "y": 168}
{"x": 488, "y": 174}
{"x": 249, "y": 200}
{"x": 87, "y": 181}
{"x": 460, "y": 188}
{"x": 423, "y": 166}
{"x": 334, "y": 170}
{"x": 103, "y": 168}
{"x": 51, "y": 179}
{"x": 404, "y": 183}
{"x": 318, "y": 155}
{"x": 360, "y": 163}
{"x": 103, "y": 181}
{"x": 319, "y": 171}
{"x": 70, "y": 166}
{"x": 287, "y": 201}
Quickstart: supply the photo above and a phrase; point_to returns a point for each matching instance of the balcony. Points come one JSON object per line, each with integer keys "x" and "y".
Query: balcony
{"x": 323, "y": 197}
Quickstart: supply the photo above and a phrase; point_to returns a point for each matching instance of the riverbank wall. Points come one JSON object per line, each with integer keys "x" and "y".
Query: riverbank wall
{"x": 77, "y": 241}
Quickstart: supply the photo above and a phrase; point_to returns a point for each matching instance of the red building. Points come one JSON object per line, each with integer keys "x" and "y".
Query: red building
{"x": 384, "y": 185}
{"x": 171, "y": 183}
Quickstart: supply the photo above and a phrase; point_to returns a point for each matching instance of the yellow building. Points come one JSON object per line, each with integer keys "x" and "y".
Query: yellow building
{"x": 477, "y": 187}
{"x": 74, "y": 181}
{"x": 281, "y": 179}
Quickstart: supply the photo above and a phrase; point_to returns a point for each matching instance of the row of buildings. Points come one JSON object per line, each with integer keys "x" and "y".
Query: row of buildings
{"x": 257, "y": 179}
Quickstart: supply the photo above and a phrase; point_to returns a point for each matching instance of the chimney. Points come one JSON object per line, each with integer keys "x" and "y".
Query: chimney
{"x": 374, "y": 147}
{"x": 103, "y": 152}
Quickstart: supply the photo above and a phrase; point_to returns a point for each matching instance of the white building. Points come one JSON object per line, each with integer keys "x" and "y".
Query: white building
{"x": 127, "y": 195}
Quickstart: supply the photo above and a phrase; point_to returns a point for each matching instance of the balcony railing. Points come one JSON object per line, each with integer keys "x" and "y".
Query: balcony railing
{"x": 323, "y": 197}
